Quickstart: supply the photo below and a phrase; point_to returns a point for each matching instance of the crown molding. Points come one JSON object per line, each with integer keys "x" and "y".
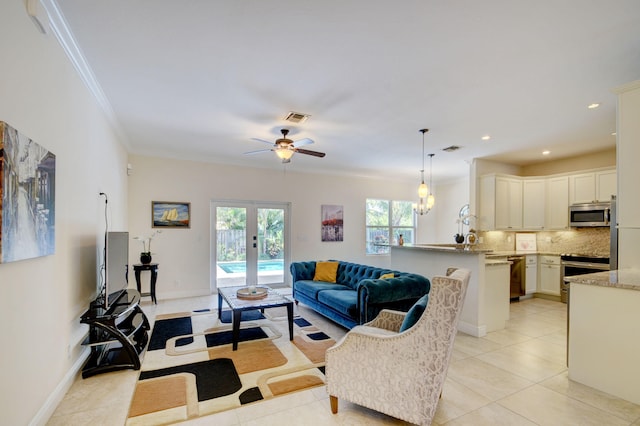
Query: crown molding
{"x": 626, "y": 87}
{"x": 65, "y": 38}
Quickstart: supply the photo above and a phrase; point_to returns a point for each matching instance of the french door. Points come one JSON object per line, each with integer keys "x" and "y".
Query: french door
{"x": 249, "y": 243}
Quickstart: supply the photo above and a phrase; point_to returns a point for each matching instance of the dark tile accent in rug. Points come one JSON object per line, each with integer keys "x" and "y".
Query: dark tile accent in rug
{"x": 214, "y": 378}
{"x": 165, "y": 329}
{"x": 318, "y": 336}
{"x": 250, "y": 395}
{"x": 245, "y": 316}
{"x": 301, "y": 322}
{"x": 226, "y": 337}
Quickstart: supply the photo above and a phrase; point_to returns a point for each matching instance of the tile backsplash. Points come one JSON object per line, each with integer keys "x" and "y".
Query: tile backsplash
{"x": 590, "y": 241}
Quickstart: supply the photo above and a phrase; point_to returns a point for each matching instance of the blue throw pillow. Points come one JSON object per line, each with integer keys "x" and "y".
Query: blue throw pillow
{"x": 414, "y": 313}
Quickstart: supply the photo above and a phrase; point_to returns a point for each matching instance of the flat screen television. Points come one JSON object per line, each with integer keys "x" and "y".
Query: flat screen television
{"x": 116, "y": 267}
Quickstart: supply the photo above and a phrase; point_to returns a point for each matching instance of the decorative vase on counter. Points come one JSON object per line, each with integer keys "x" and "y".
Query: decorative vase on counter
{"x": 459, "y": 238}
{"x": 145, "y": 257}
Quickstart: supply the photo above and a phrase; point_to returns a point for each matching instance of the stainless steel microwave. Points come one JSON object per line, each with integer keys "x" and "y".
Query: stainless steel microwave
{"x": 589, "y": 214}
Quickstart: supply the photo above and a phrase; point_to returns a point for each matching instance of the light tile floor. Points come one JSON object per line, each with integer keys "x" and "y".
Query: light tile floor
{"x": 515, "y": 376}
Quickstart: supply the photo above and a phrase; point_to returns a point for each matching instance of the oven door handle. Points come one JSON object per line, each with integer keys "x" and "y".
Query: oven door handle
{"x": 598, "y": 266}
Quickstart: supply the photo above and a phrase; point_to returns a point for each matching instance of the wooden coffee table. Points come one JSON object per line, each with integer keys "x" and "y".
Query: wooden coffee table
{"x": 237, "y": 305}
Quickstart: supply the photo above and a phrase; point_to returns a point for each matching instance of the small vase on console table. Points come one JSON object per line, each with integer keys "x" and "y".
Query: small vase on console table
{"x": 145, "y": 257}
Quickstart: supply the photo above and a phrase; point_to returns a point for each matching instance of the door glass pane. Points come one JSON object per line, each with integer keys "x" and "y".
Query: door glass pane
{"x": 270, "y": 246}
{"x": 231, "y": 250}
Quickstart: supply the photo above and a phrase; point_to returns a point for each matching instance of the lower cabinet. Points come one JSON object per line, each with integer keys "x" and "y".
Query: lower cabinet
{"x": 549, "y": 275}
{"x": 531, "y": 274}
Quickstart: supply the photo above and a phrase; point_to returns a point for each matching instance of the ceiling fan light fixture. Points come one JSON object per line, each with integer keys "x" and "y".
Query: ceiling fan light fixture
{"x": 284, "y": 153}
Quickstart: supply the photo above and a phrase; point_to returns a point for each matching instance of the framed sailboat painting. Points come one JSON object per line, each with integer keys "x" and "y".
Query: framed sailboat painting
{"x": 166, "y": 214}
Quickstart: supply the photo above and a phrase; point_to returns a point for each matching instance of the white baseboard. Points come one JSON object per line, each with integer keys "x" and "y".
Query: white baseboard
{"x": 49, "y": 407}
{"x": 476, "y": 331}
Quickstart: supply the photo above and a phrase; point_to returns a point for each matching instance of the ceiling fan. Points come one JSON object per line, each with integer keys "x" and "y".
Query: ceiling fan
{"x": 285, "y": 148}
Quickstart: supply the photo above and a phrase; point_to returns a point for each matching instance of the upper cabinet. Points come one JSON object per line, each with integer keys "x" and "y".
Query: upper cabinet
{"x": 557, "y": 208}
{"x": 592, "y": 187}
{"x": 540, "y": 203}
{"x": 533, "y": 203}
{"x": 501, "y": 202}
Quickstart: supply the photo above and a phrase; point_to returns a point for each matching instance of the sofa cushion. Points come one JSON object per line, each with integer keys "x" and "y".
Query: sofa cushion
{"x": 311, "y": 288}
{"x": 326, "y": 271}
{"x": 341, "y": 301}
{"x": 414, "y": 313}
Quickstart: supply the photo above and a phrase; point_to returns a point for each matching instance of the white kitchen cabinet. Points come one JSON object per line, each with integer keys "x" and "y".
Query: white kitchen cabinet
{"x": 531, "y": 273}
{"x": 500, "y": 203}
{"x": 582, "y": 188}
{"x": 549, "y": 275}
{"x": 628, "y": 152}
{"x": 606, "y": 185}
{"x": 592, "y": 187}
{"x": 533, "y": 204}
{"x": 557, "y": 203}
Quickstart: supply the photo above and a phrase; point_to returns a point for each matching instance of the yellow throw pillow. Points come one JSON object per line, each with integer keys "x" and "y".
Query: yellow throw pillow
{"x": 326, "y": 271}
{"x": 385, "y": 276}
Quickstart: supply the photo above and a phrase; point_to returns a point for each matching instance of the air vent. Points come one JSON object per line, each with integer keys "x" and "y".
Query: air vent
{"x": 451, "y": 148}
{"x": 296, "y": 117}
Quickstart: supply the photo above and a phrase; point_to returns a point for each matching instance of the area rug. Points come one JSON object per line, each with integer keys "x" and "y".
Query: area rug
{"x": 190, "y": 369}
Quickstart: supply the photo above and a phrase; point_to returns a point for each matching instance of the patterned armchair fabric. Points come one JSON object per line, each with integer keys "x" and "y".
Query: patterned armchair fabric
{"x": 400, "y": 374}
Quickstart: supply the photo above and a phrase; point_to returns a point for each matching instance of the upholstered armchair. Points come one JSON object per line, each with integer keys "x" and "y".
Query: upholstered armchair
{"x": 400, "y": 373}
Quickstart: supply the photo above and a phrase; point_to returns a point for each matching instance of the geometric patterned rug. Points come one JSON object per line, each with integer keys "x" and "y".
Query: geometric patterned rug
{"x": 190, "y": 370}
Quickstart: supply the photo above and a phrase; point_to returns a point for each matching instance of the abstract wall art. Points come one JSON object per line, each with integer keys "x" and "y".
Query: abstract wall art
{"x": 332, "y": 222}
{"x": 27, "y": 197}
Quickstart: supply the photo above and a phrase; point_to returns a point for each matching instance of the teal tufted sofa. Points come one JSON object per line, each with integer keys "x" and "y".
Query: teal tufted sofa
{"x": 358, "y": 295}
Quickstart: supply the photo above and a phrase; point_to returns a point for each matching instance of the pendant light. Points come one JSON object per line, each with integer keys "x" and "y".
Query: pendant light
{"x": 431, "y": 200}
{"x": 426, "y": 200}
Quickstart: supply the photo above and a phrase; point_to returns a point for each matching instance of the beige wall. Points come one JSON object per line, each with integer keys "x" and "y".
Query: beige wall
{"x": 595, "y": 160}
{"x": 43, "y": 298}
{"x": 184, "y": 254}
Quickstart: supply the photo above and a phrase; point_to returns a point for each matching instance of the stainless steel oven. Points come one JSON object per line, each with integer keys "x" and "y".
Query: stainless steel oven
{"x": 577, "y": 264}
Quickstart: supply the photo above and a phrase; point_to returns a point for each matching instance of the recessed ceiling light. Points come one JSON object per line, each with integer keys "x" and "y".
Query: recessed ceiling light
{"x": 547, "y": 152}
{"x": 593, "y": 105}
{"x": 486, "y": 137}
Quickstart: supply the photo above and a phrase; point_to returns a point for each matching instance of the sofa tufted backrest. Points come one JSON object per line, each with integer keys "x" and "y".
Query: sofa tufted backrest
{"x": 352, "y": 273}
{"x": 349, "y": 274}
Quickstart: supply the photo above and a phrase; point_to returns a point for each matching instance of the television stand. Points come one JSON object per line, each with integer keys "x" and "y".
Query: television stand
{"x": 117, "y": 335}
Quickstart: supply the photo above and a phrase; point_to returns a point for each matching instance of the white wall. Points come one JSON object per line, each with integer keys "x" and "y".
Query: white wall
{"x": 43, "y": 298}
{"x": 184, "y": 254}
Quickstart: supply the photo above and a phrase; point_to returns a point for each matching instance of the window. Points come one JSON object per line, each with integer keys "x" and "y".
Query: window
{"x": 388, "y": 218}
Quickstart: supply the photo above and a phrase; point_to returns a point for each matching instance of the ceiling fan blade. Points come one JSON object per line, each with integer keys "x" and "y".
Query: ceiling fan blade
{"x": 261, "y": 140}
{"x": 302, "y": 142}
{"x": 308, "y": 152}
{"x": 260, "y": 151}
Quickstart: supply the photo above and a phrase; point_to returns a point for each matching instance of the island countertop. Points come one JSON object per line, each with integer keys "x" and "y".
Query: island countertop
{"x": 624, "y": 278}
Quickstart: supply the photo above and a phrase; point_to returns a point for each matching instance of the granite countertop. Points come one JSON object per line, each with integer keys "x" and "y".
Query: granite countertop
{"x": 449, "y": 248}
{"x": 495, "y": 262}
{"x": 624, "y": 278}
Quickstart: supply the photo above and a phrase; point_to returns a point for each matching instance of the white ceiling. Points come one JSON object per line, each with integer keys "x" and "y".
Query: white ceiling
{"x": 198, "y": 79}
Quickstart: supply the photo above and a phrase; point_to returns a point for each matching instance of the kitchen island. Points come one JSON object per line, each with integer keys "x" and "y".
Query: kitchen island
{"x": 486, "y": 306}
{"x": 604, "y": 332}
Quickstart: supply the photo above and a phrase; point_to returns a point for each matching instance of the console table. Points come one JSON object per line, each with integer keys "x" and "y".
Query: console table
{"x": 117, "y": 335}
{"x": 153, "y": 268}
